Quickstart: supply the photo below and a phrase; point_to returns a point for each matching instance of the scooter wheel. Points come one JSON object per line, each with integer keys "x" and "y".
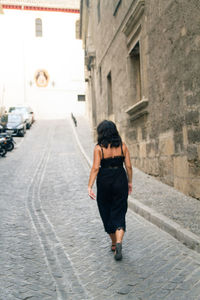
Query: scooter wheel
{"x": 9, "y": 146}
{"x": 3, "y": 152}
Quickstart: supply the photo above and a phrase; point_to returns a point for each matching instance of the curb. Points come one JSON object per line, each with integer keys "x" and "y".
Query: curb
{"x": 184, "y": 236}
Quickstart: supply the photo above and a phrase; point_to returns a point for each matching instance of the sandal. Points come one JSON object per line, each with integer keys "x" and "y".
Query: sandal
{"x": 118, "y": 251}
{"x": 113, "y": 247}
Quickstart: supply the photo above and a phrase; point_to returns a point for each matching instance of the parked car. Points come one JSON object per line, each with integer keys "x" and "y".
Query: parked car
{"x": 27, "y": 113}
{"x": 16, "y": 124}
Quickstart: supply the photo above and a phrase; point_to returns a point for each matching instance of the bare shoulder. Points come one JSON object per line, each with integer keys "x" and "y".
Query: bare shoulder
{"x": 97, "y": 148}
{"x": 124, "y": 147}
{"x": 97, "y": 152}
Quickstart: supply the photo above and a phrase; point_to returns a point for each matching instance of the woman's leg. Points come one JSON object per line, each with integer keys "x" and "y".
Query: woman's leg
{"x": 119, "y": 234}
{"x": 113, "y": 239}
{"x": 118, "y": 249}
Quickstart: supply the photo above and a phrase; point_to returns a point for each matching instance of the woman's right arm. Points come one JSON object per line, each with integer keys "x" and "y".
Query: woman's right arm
{"x": 94, "y": 171}
{"x": 128, "y": 167}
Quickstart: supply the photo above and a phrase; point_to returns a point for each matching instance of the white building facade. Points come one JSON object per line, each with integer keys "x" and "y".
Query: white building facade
{"x": 41, "y": 59}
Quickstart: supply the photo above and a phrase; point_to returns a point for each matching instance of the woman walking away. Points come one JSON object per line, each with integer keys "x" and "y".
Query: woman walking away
{"x": 113, "y": 186}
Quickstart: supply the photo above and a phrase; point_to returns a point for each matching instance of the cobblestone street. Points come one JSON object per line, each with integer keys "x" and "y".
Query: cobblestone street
{"x": 52, "y": 243}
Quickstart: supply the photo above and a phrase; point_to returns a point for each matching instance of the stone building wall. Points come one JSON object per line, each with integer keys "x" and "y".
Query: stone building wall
{"x": 142, "y": 60}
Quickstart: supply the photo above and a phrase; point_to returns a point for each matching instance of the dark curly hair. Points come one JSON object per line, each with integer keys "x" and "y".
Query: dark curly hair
{"x": 108, "y": 134}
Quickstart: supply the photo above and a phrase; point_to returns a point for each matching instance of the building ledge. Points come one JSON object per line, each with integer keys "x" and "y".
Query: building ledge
{"x": 138, "y": 115}
{"x": 89, "y": 59}
{"x": 135, "y": 15}
{"x": 137, "y": 107}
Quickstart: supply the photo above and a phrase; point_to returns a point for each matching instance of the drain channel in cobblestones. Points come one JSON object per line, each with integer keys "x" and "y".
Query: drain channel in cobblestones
{"x": 58, "y": 263}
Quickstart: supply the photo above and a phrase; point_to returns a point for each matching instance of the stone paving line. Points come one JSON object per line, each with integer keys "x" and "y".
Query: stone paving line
{"x": 170, "y": 210}
{"x": 24, "y": 273}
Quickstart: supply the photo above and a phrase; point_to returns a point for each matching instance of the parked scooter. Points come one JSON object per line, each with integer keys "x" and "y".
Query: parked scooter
{"x": 9, "y": 141}
{"x": 1, "y": 128}
{"x": 3, "y": 150}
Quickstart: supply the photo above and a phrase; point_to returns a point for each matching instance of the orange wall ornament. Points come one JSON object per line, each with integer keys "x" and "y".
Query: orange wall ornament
{"x": 41, "y": 78}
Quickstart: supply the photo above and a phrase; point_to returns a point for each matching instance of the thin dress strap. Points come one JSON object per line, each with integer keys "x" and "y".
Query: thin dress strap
{"x": 102, "y": 152}
{"x": 122, "y": 149}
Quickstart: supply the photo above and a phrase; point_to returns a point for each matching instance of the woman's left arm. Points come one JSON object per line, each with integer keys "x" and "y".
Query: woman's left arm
{"x": 94, "y": 171}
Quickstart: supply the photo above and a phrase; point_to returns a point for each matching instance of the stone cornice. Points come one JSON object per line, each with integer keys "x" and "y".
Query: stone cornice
{"x": 137, "y": 110}
{"x": 134, "y": 16}
{"x": 122, "y": 25}
{"x": 90, "y": 59}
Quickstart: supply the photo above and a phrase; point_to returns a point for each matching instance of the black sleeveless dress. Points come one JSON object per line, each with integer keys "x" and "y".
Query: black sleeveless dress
{"x": 112, "y": 193}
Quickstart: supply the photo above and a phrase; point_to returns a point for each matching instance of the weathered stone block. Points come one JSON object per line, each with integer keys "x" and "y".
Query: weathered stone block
{"x": 178, "y": 141}
{"x": 134, "y": 150}
{"x": 194, "y": 187}
{"x": 132, "y": 134}
{"x": 192, "y": 117}
{"x": 166, "y": 143}
{"x": 192, "y": 100}
{"x": 181, "y": 184}
{"x": 150, "y": 148}
{"x": 139, "y": 134}
{"x": 166, "y": 170}
{"x": 143, "y": 152}
{"x": 144, "y": 133}
{"x": 185, "y": 136}
{"x": 194, "y": 136}
{"x": 143, "y": 163}
{"x": 133, "y": 160}
{"x": 192, "y": 153}
{"x": 194, "y": 168}
{"x": 177, "y": 122}
{"x": 152, "y": 166}
{"x": 180, "y": 167}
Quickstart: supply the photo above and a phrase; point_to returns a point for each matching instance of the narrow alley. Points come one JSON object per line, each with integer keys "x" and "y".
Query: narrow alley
{"x": 53, "y": 245}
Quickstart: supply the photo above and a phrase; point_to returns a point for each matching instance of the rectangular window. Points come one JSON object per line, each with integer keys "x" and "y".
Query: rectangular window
{"x": 99, "y": 11}
{"x": 81, "y": 97}
{"x": 135, "y": 74}
{"x": 109, "y": 93}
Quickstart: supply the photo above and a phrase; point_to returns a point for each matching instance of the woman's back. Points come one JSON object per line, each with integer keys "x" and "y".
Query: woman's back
{"x": 112, "y": 152}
